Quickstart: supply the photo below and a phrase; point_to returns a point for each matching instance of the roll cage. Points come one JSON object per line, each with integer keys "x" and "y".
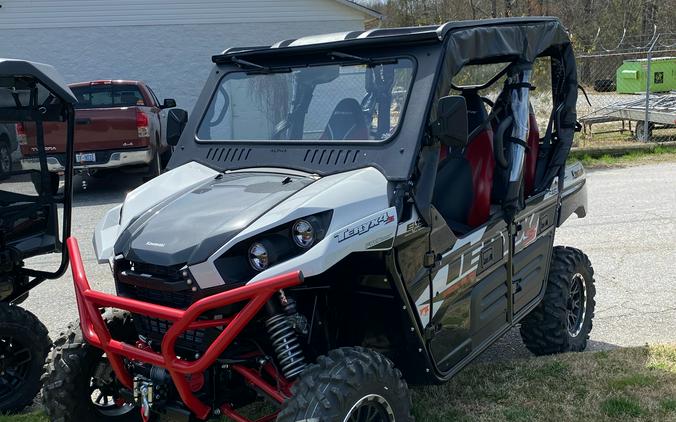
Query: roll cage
{"x": 438, "y": 52}
{"x": 35, "y": 93}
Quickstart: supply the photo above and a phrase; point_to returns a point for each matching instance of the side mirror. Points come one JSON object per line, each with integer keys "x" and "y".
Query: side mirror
{"x": 176, "y": 121}
{"x": 168, "y": 103}
{"x": 451, "y": 124}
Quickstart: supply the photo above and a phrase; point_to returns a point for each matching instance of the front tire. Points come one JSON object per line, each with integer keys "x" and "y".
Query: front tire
{"x": 563, "y": 320}
{"x": 79, "y": 384}
{"x": 351, "y": 384}
{"x": 24, "y": 344}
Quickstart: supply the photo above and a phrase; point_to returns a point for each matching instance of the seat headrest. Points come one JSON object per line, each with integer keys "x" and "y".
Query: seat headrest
{"x": 347, "y": 122}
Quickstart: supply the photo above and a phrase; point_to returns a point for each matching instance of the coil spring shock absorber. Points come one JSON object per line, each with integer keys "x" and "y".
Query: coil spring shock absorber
{"x": 285, "y": 339}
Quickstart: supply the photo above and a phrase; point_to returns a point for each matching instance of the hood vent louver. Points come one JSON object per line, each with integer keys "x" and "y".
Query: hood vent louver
{"x": 332, "y": 157}
{"x": 228, "y": 154}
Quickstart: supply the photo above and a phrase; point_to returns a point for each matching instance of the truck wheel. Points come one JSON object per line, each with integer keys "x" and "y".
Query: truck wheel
{"x": 5, "y": 159}
{"x": 155, "y": 166}
{"x": 563, "y": 320}
{"x": 79, "y": 384}
{"x": 165, "y": 157}
{"x": 351, "y": 384}
{"x": 24, "y": 344}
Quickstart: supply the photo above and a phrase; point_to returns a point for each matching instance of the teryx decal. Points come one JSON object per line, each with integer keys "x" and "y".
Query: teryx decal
{"x": 350, "y": 232}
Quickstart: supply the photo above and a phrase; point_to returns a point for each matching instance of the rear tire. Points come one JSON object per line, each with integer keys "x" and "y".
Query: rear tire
{"x": 77, "y": 376}
{"x": 563, "y": 320}
{"x": 24, "y": 344}
{"x": 155, "y": 166}
{"x": 349, "y": 384}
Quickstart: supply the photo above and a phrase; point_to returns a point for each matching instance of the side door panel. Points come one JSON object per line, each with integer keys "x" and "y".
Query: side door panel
{"x": 489, "y": 306}
{"x": 411, "y": 244}
{"x": 533, "y": 247}
{"x": 469, "y": 293}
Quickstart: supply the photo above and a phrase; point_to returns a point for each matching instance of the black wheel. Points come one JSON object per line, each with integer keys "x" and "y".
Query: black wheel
{"x": 351, "y": 384}
{"x": 24, "y": 344}
{"x": 79, "y": 384}
{"x": 155, "y": 165}
{"x": 563, "y": 320}
{"x": 641, "y": 130}
{"x": 165, "y": 157}
{"x": 5, "y": 159}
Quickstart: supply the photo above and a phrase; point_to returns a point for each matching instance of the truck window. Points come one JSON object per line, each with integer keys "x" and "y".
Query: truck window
{"x": 107, "y": 96}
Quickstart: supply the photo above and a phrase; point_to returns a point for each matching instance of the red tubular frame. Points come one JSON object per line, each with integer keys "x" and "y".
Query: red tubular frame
{"x": 94, "y": 329}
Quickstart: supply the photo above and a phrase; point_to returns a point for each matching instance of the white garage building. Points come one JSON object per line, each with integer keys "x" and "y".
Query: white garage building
{"x": 167, "y": 43}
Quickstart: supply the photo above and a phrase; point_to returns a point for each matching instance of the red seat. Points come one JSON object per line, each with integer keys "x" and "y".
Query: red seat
{"x": 462, "y": 192}
{"x": 479, "y": 153}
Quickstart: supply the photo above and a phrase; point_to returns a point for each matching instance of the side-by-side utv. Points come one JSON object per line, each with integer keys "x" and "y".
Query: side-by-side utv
{"x": 30, "y": 203}
{"x": 340, "y": 210}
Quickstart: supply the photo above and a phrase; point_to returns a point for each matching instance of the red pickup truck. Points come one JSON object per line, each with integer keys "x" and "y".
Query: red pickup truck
{"x": 118, "y": 124}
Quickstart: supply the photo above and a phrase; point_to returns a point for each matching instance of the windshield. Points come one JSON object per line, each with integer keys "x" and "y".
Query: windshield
{"x": 328, "y": 102}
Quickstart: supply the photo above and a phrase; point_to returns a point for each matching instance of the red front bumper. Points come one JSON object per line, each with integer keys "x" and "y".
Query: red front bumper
{"x": 90, "y": 302}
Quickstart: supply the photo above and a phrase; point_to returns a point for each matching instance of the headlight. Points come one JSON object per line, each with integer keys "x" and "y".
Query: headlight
{"x": 303, "y": 234}
{"x": 266, "y": 252}
{"x": 267, "y": 249}
{"x": 258, "y": 256}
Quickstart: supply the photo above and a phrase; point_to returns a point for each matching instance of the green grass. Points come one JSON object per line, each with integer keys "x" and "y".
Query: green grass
{"x": 27, "y": 417}
{"x": 621, "y": 407}
{"x": 637, "y": 384}
{"x": 618, "y": 385}
{"x": 658, "y": 154}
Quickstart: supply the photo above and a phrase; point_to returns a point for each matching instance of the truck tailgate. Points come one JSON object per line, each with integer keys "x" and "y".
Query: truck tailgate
{"x": 95, "y": 130}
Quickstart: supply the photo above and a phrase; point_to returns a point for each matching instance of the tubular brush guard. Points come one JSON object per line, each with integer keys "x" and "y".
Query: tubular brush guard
{"x": 94, "y": 329}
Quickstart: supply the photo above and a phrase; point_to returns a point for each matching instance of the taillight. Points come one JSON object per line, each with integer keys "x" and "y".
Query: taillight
{"x": 142, "y": 124}
{"x": 21, "y": 137}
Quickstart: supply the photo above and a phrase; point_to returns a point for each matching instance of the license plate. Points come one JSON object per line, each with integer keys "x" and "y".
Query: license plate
{"x": 88, "y": 157}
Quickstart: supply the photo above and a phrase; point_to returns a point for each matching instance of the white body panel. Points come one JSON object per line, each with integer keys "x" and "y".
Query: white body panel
{"x": 362, "y": 218}
{"x": 144, "y": 198}
{"x": 356, "y": 197}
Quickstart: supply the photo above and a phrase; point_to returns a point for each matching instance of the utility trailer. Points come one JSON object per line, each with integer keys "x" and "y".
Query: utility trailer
{"x": 661, "y": 114}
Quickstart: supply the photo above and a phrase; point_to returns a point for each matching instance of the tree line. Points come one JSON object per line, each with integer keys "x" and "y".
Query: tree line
{"x": 583, "y": 18}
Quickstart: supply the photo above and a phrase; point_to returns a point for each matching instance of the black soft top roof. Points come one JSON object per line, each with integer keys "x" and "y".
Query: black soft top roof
{"x": 44, "y": 73}
{"x": 546, "y": 28}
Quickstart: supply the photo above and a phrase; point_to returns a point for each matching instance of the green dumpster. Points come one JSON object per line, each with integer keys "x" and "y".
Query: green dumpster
{"x": 631, "y": 76}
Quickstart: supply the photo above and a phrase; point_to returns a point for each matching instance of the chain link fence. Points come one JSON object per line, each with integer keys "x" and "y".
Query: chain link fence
{"x": 625, "y": 86}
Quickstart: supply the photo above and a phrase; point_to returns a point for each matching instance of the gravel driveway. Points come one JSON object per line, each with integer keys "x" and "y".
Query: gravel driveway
{"x": 629, "y": 235}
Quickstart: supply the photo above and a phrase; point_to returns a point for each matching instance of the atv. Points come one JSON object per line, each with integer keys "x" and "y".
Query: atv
{"x": 30, "y": 94}
{"x": 344, "y": 214}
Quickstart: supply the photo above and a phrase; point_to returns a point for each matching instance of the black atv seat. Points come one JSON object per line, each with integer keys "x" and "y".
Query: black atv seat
{"x": 347, "y": 122}
{"x": 465, "y": 173}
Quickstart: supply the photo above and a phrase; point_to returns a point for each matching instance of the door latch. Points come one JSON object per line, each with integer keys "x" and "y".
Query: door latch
{"x": 430, "y": 259}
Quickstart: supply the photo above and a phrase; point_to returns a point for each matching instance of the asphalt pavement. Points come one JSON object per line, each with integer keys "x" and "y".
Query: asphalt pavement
{"x": 629, "y": 235}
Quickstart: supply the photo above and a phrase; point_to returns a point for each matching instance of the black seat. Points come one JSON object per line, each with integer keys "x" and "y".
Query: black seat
{"x": 453, "y": 194}
{"x": 347, "y": 122}
{"x": 454, "y": 190}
